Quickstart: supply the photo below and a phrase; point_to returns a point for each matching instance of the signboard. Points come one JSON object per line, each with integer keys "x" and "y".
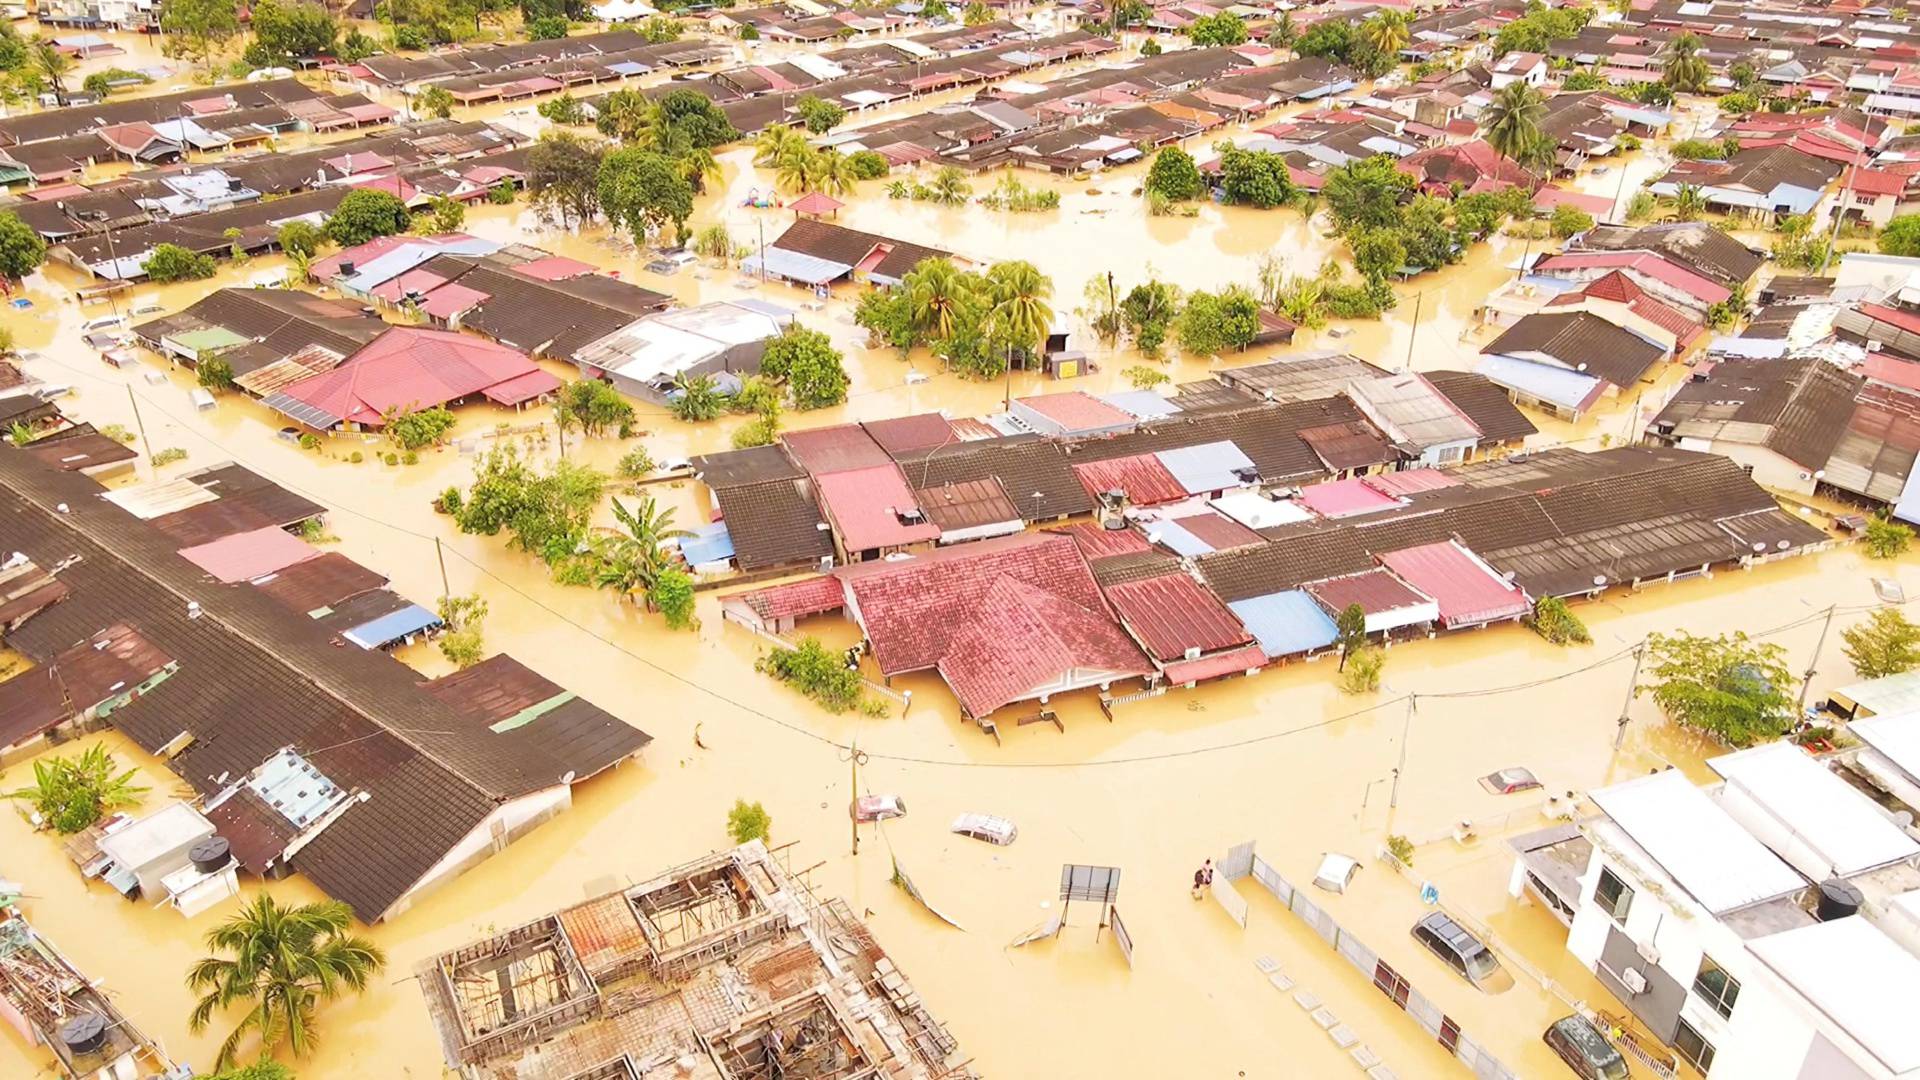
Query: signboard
{"x": 1100, "y": 884}
{"x": 1120, "y": 933}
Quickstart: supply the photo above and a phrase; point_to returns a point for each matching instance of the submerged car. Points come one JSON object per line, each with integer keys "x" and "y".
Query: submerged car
{"x": 1456, "y": 947}
{"x": 1585, "y": 1050}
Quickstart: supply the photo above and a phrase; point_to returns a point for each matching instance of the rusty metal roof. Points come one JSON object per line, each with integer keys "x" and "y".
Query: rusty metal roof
{"x": 1173, "y": 615}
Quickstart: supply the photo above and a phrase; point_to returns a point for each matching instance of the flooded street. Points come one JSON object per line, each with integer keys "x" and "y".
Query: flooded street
{"x": 1282, "y": 758}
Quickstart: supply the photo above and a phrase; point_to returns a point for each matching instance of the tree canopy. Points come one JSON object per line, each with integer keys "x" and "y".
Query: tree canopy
{"x": 1731, "y": 687}
{"x": 21, "y": 249}
{"x": 643, "y": 192}
{"x": 171, "y": 262}
{"x": 563, "y": 176}
{"x": 1254, "y": 177}
{"x": 1173, "y": 175}
{"x": 197, "y": 30}
{"x": 365, "y": 214}
{"x": 1366, "y": 192}
{"x": 293, "y": 29}
{"x": 1220, "y": 28}
{"x": 808, "y": 364}
{"x": 1887, "y": 643}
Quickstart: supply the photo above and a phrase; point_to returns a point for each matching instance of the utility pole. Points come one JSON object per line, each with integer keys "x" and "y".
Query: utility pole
{"x": 446, "y": 591}
{"x": 763, "y": 250}
{"x": 1619, "y": 190}
{"x": 1418, "y": 299}
{"x": 1620, "y": 735}
{"x": 1406, "y": 732}
{"x": 1839, "y": 215}
{"x": 138, "y": 422}
{"x": 1807, "y": 682}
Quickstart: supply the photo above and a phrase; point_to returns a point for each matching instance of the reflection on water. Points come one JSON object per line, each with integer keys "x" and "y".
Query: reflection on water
{"x": 1282, "y": 758}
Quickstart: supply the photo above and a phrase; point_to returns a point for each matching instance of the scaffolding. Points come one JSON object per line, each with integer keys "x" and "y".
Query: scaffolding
{"x": 705, "y": 912}
{"x": 804, "y": 1037}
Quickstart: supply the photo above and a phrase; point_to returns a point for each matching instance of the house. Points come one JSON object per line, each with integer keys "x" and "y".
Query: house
{"x": 1469, "y": 168}
{"x": 1419, "y": 420}
{"x": 1773, "y": 181}
{"x": 1184, "y": 628}
{"x": 259, "y": 332}
{"x": 646, "y": 357}
{"x": 873, "y": 513}
{"x": 1526, "y": 67}
{"x": 1780, "y": 419}
{"x": 258, "y": 698}
{"x": 1591, "y": 357}
{"x": 410, "y": 368}
{"x": 1013, "y": 619}
{"x": 819, "y": 253}
{"x": 1745, "y": 925}
{"x": 1871, "y": 195}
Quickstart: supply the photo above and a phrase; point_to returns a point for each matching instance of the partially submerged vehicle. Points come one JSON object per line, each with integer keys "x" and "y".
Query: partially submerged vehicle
{"x": 993, "y": 830}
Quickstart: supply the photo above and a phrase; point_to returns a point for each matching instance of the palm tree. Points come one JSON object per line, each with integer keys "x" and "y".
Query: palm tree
{"x": 286, "y": 961}
{"x": 1102, "y": 309}
{"x": 1387, "y": 33}
{"x": 52, "y": 65}
{"x": 936, "y": 294}
{"x": 1021, "y": 312}
{"x": 775, "y": 143}
{"x": 1284, "y": 33}
{"x": 631, "y": 560}
{"x": 950, "y": 187}
{"x": 1686, "y": 70}
{"x": 1689, "y": 202}
{"x": 299, "y": 267}
{"x": 698, "y": 165}
{"x": 1512, "y": 124}
{"x": 795, "y": 169}
{"x": 832, "y": 172}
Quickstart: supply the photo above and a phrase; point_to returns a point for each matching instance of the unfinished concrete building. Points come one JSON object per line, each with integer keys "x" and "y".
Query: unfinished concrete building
{"x": 725, "y": 968}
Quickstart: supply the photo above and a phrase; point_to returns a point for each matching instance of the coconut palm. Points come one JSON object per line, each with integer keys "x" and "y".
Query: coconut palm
{"x": 698, "y": 165}
{"x": 1686, "y": 70}
{"x": 1512, "y": 125}
{"x": 1689, "y": 202}
{"x": 631, "y": 557}
{"x": 950, "y": 187}
{"x": 1284, "y": 32}
{"x": 52, "y": 65}
{"x": 937, "y": 292}
{"x": 285, "y": 961}
{"x": 1386, "y": 32}
{"x": 1020, "y": 293}
{"x": 775, "y": 143}
{"x": 796, "y": 168}
{"x": 832, "y": 172}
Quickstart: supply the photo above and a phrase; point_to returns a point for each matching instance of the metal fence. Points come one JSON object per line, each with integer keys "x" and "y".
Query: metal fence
{"x": 1242, "y": 862}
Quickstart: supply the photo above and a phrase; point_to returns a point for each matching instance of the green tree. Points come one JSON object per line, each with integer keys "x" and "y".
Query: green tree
{"x": 643, "y": 193}
{"x": 1148, "y": 312}
{"x": 22, "y": 250}
{"x": 293, "y": 29}
{"x": 547, "y": 28}
{"x": 284, "y": 962}
{"x": 197, "y": 30}
{"x": 414, "y": 428}
{"x": 1886, "y": 644}
{"x": 887, "y": 317}
{"x": 1886, "y": 538}
{"x": 102, "y": 84}
{"x": 563, "y": 177}
{"x": 1366, "y": 193}
{"x": 976, "y": 14}
{"x": 1360, "y": 671}
{"x": 671, "y": 594}
{"x": 1022, "y": 310}
{"x": 659, "y": 30}
{"x": 748, "y": 821}
{"x": 696, "y": 397}
{"x": 259, "y": 1070}
{"x": 547, "y": 513}
{"x": 806, "y": 361}
{"x": 593, "y": 406}
{"x": 1554, "y": 620}
{"x": 867, "y": 164}
{"x": 1284, "y": 32}
{"x": 214, "y": 373}
{"x": 1582, "y": 80}
{"x": 1569, "y": 221}
{"x": 1217, "y": 322}
{"x": 565, "y": 109}
{"x": 1731, "y": 687}
{"x": 1102, "y": 308}
{"x": 818, "y": 114}
{"x": 462, "y": 640}
{"x": 1130, "y": 13}
{"x": 1512, "y": 122}
{"x": 1685, "y": 69}
{"x": 1350, "y": 628}
{"x": 1900, "y": 237}
{"x": 1174, "y": 176}
{"x": 937, "y": 294}
{"x": 1142, "y": 377}
{"x": 444, "y": 214}
{"x": 632, "y": 557}
{"x": 1689, "y": 202}
{"x": 694, "y": 119}
{"x": 51, "y": 66}
{"x": 1151, "y": 47}
{"x": 1386, "y": 32}
{"x": 171, "y": 262}
{"x": 777, "y": 143}
{"x": 816, "y": 671}
{"x": 1378, "y": 253}
{"x": 434, "y": 101}
{"x": 1220, "y": 28}
{"x": 950, "y": 187}
{"x": 1254, "y": 178}
{"x": 365, "y": 214}
{"x": 301, "y": 237}
{"x": 71, "y": 793}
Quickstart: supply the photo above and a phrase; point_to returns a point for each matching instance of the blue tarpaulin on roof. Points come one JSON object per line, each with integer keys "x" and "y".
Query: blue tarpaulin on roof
{"x": 393, "y": 627}
{"x": 1286, "y": 623}
{"x": 708, "y": 544}
{"x": 1178, "y": 539}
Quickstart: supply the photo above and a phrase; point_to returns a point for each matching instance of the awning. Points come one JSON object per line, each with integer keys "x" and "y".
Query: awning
{"x": 392, "y": 627}
{"x": 708, "y": 544}
{"x": 522, "y": 388}
{"x": 1543, "y": 382}
{"x": 795, "y": 266}
{"x": 1243, "y": 659}
{"x": 1286, "y": 623}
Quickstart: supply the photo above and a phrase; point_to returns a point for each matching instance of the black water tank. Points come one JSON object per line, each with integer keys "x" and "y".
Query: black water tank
{"x": 1838, "y": 899}
{"x": 84, "y": 1033}
{"x": 209, "y": 854}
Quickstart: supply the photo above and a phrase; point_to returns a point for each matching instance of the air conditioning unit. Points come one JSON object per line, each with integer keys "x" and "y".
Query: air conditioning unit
{"x": 1634, "y": 981}
{"x": 1649, "y": 954}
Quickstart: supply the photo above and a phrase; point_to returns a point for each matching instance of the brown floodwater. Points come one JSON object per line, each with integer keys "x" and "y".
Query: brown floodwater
{"x": 1282, "y": 758}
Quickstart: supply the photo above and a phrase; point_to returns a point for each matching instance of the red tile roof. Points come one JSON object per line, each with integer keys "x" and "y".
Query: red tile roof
{"x": 1644, "y": 262}
{"x": 1023, "y": 640}
{"x": 1376, "y": 591}
{"x": 905, "y": 434}
{"x": 1886, "y": 368}
{"x": 1173, "y": 613}
{"x": 1893, "y": 316}
{"x": 1873, "y": 182}
{"x": 522, "y": 388}
{"x": 1142, "y": 476}
{"x": 1219, "y": 531}
{"x": 1619, "y": 288}
{"x": 798, "y": 599}
{"x": 410, "y": 368}
{"x": 864, "y": 506}
{"x": 1409, "y": 481}
{"x": 1468, "y": 591}
{"x": 1549, "y": 197}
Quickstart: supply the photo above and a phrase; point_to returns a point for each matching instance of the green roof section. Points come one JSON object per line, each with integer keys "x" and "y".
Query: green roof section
{"x": 532, "y": 712}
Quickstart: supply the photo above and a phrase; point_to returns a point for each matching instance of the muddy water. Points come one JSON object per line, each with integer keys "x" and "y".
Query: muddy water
{"x": 1282, "y": 758}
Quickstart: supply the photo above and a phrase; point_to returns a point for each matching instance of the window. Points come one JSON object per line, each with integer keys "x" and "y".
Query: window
{"x": 1692, "y": 1046}
{"x": 1716, "y": 987}
{"x": 1613, "y": 896}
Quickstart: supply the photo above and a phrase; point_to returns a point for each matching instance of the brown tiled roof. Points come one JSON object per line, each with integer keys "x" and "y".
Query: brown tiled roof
{"x": 836, "y": 243}
{"x": 497, "y": 694}
{"x": 284, "y": 321}
{"x": 1485, "y": 403}
{"x": 756, "y": 465}
{"x": 905, "y": 434}
{"x": 1797, "y": 408}
{"x": 1695, "y": 244}
{"x": 1133, "y": 566}
{"x": 1024, "y": 465}
{"x": 834, "y": 449}
{"x": 54, "y": 123}
{"x": 322, "y": 581}
{"x": 1584, "y": 342}
{"x": 1351, "y": 444}
{"x": 968, "y": 504}
{"x": 246, "y": 501}
{"x": 1375, "y": 591}
{"x": 30, "y": 703}
{"x": 774, "y": 523}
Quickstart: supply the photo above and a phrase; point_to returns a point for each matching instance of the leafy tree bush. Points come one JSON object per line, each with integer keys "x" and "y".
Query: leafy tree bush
{"x": 1217, "y": 322}
{"x": 71, "y": 793}
{"x": 643, "y": 192}
{"x": 1221, "y": 28}
{"x": 748, "y": 821}
{"x": 1148, "y": 312}
{"x": 565, "y": 109}
{"x": 1174, "y": 176}
{"x": 365, "y": 214}
{"x": 1730, "y": 686}
{"x": 658, "y": 30}
{"x": 806, "y": 361}
{"x": 1554, "y": 620}
{"x": 818, "y": 114}
{"x": 593, "y": 406}
{"x": 214, "y": 373}
{"x": 1254, "y": 178}
{"x": 1350, "y": 629}
{"x": 1886, "y": 538}
{"x": 887, "y": 316}
{"x": 867, "y": 164}
{"x": 1900, "y": 237}
{"x": 292, "y": 29}
{"x": 671, "y": 594}
{"x": 1568, "y": 221}
{"x": 171, "y": 262}
{"x": 1143, "y": 377}
{"x": 435, "y": 101}
{"x": 546, "y": 512}
{"x": 415, "y": 429}
{"x": 816, "y": 671}
{"x": 102, "y": 84}
{"x": 1583, "y": 79}
{"x": 696, "y": 397}
{"x": 462, "y": 642}
{"x": 547, "y": 28}
{"x": 563, "y": 177}
{"x": 1361, "y": 673}
{"x": 635, "y": 463}
{"x": 1151, "y": 47}
{"x": 301, "y": 237}
{"x": 21, "y": 248}
{"x": 1366, "y": 193}
{"x": 1886, "y": 644}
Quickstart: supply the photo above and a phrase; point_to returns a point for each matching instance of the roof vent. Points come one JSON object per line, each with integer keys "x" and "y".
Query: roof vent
{"x": 910, "y": 516}
{"x": 193, "y": 609}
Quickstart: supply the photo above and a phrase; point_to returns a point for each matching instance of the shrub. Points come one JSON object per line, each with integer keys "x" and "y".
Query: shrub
{"x": 1143, "y": 377}
{"x": 356, "y": 457}
{"x": 635, "y": 463}
{"x": 748, "y": 821}
{"x": 1887, "y": 538}
{"x": 867, "y": 164}
{"x": 1173, "y": 176}
{"x": 168, "y": 456}
{"x": 309, "y": 441}
{"x": 447, "y": 502}
{"x": 818, "y": 114}
{"x": 671, "y": 594}
{"x": 547, "y": 28}
{"x": 1401, "y": 849}
{"x": 365, "y": 214}
{"x": 73, "y": 793}
{"x": 411, "y": 457}
{"x": 300, "y": 237}
{"x": 815, "y": 671}
{"x": 1362, "y": 672}
{"x": 1556, "y": 622}
{"x": 1569, "y": 221}
{"x": 417, "y": 428}
{"x": 574, "y": 572}
{"x": 214, "y": 373}
{"x": 759, "y": 431}
{"x": 171, "y": 262}
{"x": 1886, "y": 644}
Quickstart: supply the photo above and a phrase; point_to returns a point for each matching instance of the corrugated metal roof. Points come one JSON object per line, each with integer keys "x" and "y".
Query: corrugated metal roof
{"x": 1232, "y": 662}
{"x": 1835, "y": 829}
{"x": 1143, "y": 479}
{"x": 1208, "y": 467}
{"x": 1468, "y": 591}
{"x": 1173, "y": 614}
{"x": 1286, "y": 623}
{"x": 1696, "y": 842}
{"x": 392, "y": 627}
{"x": 248, "y": 555}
